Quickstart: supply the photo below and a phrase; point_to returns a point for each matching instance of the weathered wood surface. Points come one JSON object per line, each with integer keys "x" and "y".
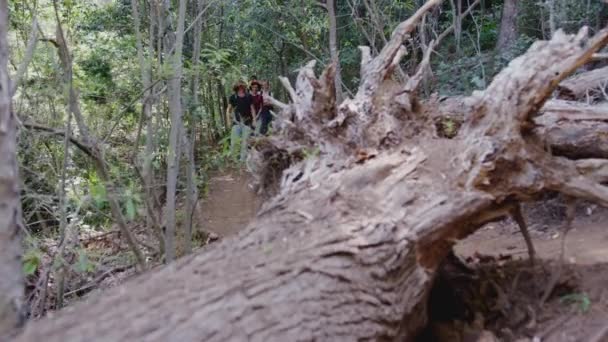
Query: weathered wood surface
{"x": 586, "y": 85}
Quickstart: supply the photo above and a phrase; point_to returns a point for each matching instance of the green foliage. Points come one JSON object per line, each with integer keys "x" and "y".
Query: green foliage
{"x": 97, "y": 191}
{"x": 581, "y": 300}
{"x": 83, "y": 263}
{"x": 31, "y": 261}
{"x": 131, "y": 200}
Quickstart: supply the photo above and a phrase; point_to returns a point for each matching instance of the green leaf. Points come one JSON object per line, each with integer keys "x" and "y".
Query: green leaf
{"x": 31, "y": 261}
{"x": 577, "y": 298}
{"x": 130, "y": 206}
{"x": 83, "y": 265}
{"x": 29, "y": 267}
{"x": 98, "y": 193}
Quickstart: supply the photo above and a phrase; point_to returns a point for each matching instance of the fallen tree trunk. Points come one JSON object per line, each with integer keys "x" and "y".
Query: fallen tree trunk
{"x": 349, "y": 246}
{"x": 575, "y": 130}
{"x": 586, "y": 85}
{"x": 578, "y": 140}
{"x": 570, "y": 129}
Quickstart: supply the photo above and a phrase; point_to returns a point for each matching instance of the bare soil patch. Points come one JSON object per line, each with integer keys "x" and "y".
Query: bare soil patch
{"x": 490, "y": 292}
{"x": 229, "y": 205}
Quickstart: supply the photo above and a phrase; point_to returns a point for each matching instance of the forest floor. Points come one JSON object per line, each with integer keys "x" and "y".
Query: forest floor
{"x": 229, "y": 205}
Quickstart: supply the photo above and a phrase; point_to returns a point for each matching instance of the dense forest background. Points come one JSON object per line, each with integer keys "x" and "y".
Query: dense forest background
{"x": 122, "y": 107}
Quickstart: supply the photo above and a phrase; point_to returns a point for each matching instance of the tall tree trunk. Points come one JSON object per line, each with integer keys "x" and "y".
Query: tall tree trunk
{"x": 191, "y": 187}
{"x": 551, "y": 4}
{"x": 508, "y": 26}
{"x": 334, "y": 48}
{"x": 153, "y": 222}
{"x": 11, "y": 279}
{"x": 457, "y": 19}
{"x": 349, "y": 247}
{"x": 175, "y": 108}
{"x": 90, "y": 141}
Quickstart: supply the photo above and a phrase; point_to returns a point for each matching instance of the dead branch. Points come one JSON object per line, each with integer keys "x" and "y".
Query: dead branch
{"x": 59, "y": 133}
{"x": 451, "y": 28}
{"x": 374, "y": 72}
{"x": 585, "y": 84}
{"x": 560, "y": 110}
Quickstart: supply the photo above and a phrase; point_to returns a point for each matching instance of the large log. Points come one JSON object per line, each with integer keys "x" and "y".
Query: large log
{"x": 579, "y": 140}
{"x": 349, "y": 246}
{"x": 570, "y": 129}
{"x": 575, "y": 130}
{"x": 586, "y": 85}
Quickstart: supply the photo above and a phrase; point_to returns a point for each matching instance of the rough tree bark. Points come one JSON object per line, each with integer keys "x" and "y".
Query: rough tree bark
{"x": 330, "y": 5}
{"x": 349, "y": 246}
{"x": 508, "y": 26}
{"x": 175, "y": 108}
{"x": 11, "y": 289}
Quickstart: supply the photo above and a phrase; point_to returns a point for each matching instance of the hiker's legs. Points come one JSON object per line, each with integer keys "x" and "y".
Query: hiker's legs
{"x": 265, "y": 123}
{"x": 258, "y": 125}
{"x": 235, "y": 138}
{"x": 245, "y": 133}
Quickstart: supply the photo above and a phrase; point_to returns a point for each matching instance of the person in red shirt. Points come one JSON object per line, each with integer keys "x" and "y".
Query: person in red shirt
{"x": 258, "y": 100}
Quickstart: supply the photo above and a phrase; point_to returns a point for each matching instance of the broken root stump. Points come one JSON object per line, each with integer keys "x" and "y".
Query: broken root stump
{"x": 349, "y": 246}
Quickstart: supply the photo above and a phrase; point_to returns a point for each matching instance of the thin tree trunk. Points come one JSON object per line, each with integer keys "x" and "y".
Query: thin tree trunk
{"x": 508, "y": 26}
{"x": 334, "y": 49}
{"x": 175, "y": 108}
{"x": 63, "y": 223}
{"x": 191, "y": 187}
{"x": 152, "y": 220}
{"x": 457, "y": 19}
{"x": 95, "y": 148}
{"x": 11, "y": 278}
{"x": 552, "y": 16}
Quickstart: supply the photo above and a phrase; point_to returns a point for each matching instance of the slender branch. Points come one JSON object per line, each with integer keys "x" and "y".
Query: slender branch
{"x": 422, "y": 69}
{"x": 452, "y": 27}
{"x": 60, "y": 133}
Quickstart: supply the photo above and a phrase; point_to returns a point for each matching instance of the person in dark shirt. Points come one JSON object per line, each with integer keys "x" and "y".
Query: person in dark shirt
{"x": 242, "y": 114}
{"x": 240, "y": 104}
{"x": 265, "y": 116}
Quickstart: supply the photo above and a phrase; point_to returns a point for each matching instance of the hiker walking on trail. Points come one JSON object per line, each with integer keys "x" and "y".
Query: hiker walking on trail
{"x": 265, "y": 116}
{"x": 258, "y": 101}
{"x": 242, "y": 112}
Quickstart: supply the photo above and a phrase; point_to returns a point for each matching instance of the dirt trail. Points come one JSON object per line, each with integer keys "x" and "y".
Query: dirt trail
{"x": 586, "y": 243}
{"x": 229, "y": 205}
